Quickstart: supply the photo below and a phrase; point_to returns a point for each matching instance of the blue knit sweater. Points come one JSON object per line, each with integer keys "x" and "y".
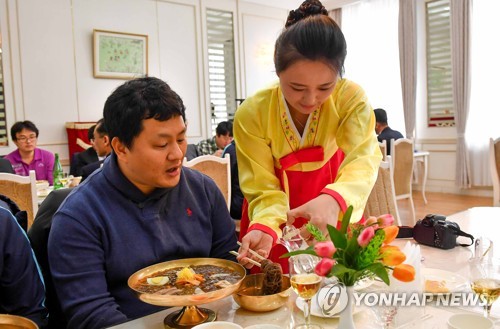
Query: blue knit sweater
{"x": 107, "y": 229}
{"x": 21, "y": 284}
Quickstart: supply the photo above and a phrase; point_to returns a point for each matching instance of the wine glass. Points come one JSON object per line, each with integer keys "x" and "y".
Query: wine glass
{"x": 485, "y": 281}
{"x": 306, "y": 284}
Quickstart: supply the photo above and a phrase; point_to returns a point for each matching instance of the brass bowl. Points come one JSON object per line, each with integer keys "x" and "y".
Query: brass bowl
{"x": 8, "y": 321}
{"x": 185, "y": 300}
{"x": 248, "y": 295}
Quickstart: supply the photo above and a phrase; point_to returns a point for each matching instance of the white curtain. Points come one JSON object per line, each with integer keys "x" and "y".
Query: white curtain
{"x": 408, "y": 59}
{"x": 484, "y": 114}
{"x": 371, "y": 32}
{"x": 460, "y": 53}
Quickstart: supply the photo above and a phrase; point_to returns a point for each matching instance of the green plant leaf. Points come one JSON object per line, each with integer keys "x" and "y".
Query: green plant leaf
{"x": 379, "y": 270}
{"x": 346, "y": 219}
{"x": 339, "y": 240}
{"x": 309, "y": 251}
{"x": 315, "y": 232}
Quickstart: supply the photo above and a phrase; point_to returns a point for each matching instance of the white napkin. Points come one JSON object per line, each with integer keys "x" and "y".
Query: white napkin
{"x": 413, "y": 257}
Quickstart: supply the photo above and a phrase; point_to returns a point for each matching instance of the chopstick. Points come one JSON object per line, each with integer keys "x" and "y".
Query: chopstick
{"x": 253, "y": 252}
{"x": 249, "y": 259}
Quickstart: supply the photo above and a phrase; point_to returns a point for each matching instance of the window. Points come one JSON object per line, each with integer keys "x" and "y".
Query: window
{"x": 221, "y": 66}
{"x": 439, "y": 74}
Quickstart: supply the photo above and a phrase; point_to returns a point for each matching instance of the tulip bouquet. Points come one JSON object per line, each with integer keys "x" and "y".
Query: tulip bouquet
{"x": 357, "y": 251}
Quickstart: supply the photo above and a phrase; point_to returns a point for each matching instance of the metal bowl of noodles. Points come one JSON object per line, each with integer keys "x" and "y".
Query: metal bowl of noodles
{"x": 186, "y": 299}
{"x": 250, "y": 296}
{"x": 8, "y": 321}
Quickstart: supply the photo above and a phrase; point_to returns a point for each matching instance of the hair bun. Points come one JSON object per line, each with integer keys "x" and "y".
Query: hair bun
{"x": 307, "y": 8}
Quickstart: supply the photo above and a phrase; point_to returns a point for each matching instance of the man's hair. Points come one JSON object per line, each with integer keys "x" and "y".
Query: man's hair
{"x": 380, "y": 116}
{"x": 90, "y": 132}
{"x": 100, "y": 128}
{"x": 224, "y": 128}
{"x": 19, "y": 126}
{"x": 138, "y": 100}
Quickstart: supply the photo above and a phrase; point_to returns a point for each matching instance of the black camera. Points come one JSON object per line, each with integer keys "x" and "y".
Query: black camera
{"x": 436, "y": 231}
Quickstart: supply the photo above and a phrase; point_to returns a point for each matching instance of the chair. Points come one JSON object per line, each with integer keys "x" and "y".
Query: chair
{"x": 21, "y": 190}
{"x": 219, "y": 169}
{"x": 495, "y": 169}
{"x": 402, "y": 160}
{"x": 383, "y": 149}
{"x": 39, "y": 237}
{"x": 382, "y": 199}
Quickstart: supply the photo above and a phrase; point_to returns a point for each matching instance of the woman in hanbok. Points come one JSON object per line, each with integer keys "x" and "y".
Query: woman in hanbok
{"x": 306, "y": 146}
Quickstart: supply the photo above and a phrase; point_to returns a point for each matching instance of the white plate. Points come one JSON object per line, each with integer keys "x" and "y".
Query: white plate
{"x": 454, "y": 282}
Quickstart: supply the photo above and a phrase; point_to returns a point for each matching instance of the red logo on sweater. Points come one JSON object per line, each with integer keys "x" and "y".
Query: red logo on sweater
{"x": 189, "y": 211}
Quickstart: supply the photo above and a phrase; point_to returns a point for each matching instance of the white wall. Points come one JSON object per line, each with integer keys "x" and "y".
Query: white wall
{"x": 48, "y": 57}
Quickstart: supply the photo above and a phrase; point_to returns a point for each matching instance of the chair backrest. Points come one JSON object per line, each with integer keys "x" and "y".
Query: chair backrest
{"x": 21, "y": 190}
{"x": 39, "y": 237}
{"x": 383, "y": 149}
{"x": 382, "y": 199}
{"x": 495, "y": 169}
{"x": 402, "y": 160}
{"x": 219, "y": 169}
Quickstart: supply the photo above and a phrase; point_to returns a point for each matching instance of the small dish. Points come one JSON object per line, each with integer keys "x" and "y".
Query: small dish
{"x": 249, "y": 295}
{"x": 453, "y": 282}
{"x": 467, "y": 320}
{"x": 218, "y": 325}
{"x": 263, "y": 326}
{"x": 14, "y": 321}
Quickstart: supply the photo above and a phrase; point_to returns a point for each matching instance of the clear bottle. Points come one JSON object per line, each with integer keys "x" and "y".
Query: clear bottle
{"x": 58, "y": 173}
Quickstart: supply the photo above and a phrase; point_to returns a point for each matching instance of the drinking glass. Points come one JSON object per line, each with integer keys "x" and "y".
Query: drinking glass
{"x": 306, "y": 284}
{"x": 485, "y": 281}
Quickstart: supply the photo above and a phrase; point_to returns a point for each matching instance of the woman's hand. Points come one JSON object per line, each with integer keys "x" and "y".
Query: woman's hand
{"x": 322, "y": 210}
{"x": 259, "y": 242}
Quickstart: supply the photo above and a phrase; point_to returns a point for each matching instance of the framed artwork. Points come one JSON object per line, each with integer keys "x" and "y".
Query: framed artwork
{"x": 119, "y": 55}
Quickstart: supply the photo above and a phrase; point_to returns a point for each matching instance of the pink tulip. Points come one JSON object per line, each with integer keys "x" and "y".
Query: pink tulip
{"x": 324, "y": 266}
{"x": 385, "y": 220}
{"x": 366, "y": 236}
{"x": 325, "y": 249}
{"x": 372, "y": 221}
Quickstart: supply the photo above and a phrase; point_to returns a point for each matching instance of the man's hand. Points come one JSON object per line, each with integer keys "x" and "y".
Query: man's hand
{"x": 259, "y": 242}
{"x": 322, "y": 210}
{"x": 218, "y": 153}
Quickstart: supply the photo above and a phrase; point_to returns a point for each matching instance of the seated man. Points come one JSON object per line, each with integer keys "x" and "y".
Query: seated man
{"x": 102, "y": 146}
{"x": 81, "y": 159}
{"x": 140, "y": 209}
{"x": 383, "y": 131}
{"x": 236, "y": 194}
{"x": 21, "y": 288}
{"x": 215, "y": 145}
{"x": 27, "y": 156}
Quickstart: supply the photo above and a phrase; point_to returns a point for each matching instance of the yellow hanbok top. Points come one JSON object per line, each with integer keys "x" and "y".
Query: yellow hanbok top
{"x": 265, "y": 133}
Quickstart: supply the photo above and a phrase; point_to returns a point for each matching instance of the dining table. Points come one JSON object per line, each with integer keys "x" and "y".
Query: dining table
{"x": 481, "y": 222}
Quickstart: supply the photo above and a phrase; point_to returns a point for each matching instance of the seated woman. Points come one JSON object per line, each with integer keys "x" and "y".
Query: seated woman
{"x": 27, "y": 156}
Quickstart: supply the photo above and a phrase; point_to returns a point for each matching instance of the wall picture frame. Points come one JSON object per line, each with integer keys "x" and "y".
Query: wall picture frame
{"x": 120, "y": 55}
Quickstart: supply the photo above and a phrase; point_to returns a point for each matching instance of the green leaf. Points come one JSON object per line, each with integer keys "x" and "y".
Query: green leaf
{"x": 339, "y": 240}
{"x": 346, "y": 219}
{"x": 309, "y": 251}
{"x": 351, "y": 251}
{"x": 379, "y": 270}
{"x": 315, "y": 232}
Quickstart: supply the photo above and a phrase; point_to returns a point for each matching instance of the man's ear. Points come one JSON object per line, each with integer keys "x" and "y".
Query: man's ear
{"x": 119, "y": 148}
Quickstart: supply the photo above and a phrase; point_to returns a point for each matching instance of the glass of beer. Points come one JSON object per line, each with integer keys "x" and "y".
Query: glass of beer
{"x": 306, "y": 284}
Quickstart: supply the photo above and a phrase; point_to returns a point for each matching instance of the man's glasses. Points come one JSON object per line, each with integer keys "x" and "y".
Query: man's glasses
{"x": 25, "y": 139}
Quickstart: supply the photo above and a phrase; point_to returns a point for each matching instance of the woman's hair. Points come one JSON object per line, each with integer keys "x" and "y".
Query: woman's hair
{"x": 310, "y": 34}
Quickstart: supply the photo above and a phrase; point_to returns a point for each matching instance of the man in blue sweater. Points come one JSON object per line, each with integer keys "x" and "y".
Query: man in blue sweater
{"x": 21, "y": 287}
{"x": 383, "y": 131}
{"x": 142, "y": 207}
